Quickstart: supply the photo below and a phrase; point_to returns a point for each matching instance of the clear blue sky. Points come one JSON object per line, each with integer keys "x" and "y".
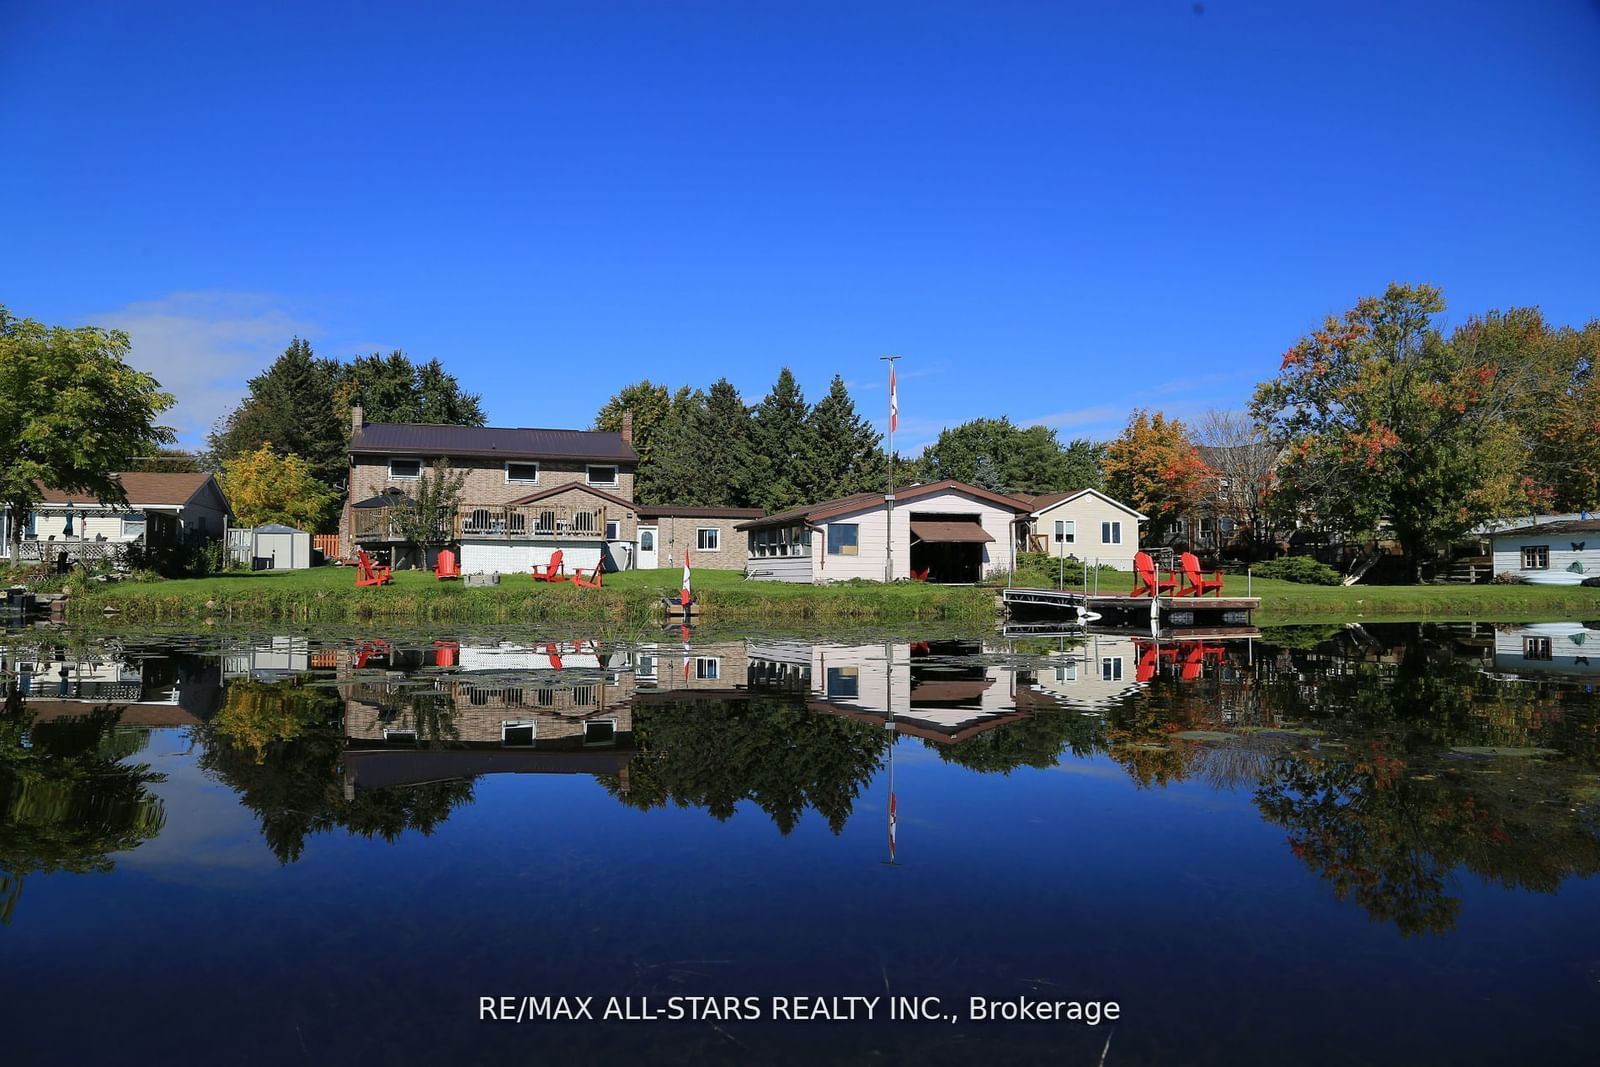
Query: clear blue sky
{"x": 1052, "y": 211}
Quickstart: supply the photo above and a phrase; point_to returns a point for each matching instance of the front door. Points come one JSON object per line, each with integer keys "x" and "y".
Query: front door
{"x": 647, "y": 548}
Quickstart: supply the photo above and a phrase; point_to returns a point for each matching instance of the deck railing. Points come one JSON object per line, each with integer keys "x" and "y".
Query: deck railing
{"x": 495, "y": 521}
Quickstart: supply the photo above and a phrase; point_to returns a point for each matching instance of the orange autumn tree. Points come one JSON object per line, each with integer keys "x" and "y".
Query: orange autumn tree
{"x": 1386, "y": 426}
{"x": 264, "y": 487}
{"x": 1154, "y": 468}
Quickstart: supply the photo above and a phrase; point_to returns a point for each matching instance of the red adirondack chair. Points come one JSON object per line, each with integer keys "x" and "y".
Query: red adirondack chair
{"x": 594, "y": 578}
{"x": 920, "y": 576}
{"x": 1197, "y": 583}
{"x": 1149, "y": 583}
{"x": 445, "y": 567}
{"x": 556, "y": 571}
{"x": 370, "y": 573}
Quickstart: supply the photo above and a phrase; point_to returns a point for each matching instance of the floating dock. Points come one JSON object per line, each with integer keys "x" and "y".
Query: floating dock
{"x": 1201, "y": 611}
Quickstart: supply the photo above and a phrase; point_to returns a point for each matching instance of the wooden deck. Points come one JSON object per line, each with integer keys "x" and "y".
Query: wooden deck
{"x": 1172, "y": 611}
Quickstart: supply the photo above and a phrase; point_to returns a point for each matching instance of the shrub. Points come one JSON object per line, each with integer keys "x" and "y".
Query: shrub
{"x": 1302, "y": 569}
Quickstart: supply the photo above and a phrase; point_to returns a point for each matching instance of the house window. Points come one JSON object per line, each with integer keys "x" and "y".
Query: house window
{"x": 844, "y": 539}
{"x": 1067, "y": 674}
{"x": 517, "y": 734}
{"x": 645, "y": 669}
{"x": 522, "y": 473}
{"x": 132, "y": 526}
{"x": 400, "y": 737}
{"x": 844, "y": 681}
{"x": 1111, "y": 668}
{"x": 30, "y": 529}
{"x": 600, "y": 732}
{"x": 405, "y": 470}
{"x": 605, "y": 475}
{"x": 647, "y": 540}
{"x": 708, "y": 539}
{"x": 707, "y": 667}
{"x": 1111, "y": 533}
{"x": 1536, "y": 648}
{"x": 614, "y": 530}
{"x": 1535, "y": 557}
{"x": 1066, "y": 531}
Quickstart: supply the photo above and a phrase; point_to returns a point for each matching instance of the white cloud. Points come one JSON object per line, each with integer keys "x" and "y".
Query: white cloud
{"x": 202, "y": 346}
{"x": 1104, "y": 415}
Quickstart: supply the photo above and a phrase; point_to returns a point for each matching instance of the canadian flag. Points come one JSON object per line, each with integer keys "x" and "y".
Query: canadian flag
{"x": 683, "y": 595}
{"x": 894, "y": 402}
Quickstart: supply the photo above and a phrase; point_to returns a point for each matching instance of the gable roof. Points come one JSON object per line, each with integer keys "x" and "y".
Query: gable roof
{"x": 567, "y": 488}
{"x": 1560, "y": 526}
{"x": 172, "y": 490}
{"x": 687, "y": 512}
{"x": 508, "y": 442}
{"x": 1046, "y": 501}
{"x": 858, "y": 501}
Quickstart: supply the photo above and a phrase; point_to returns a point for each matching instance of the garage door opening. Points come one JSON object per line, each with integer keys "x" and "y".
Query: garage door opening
{"x": 948, "y": 548}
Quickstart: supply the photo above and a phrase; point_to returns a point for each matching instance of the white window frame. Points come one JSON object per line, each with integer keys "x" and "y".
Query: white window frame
{"x": 531, "y": 725}
{"x": 522, "y": 463}
{"x": 133, "y": 525}
{"x": 1526, "y": 555}
{"x": 1066, "y": 532}
{"x": 600, "y": 722}
{"x": 613, "y": 530}
{"x": 395, "y": 737}
{"x": 1108, "y": 528}
{"x": 393, "y": 477}
{"x": 703, "y": 673}
{"x": 1111, "y": 668}
{"x": 700, "y": 537}
{"x": 614, "y": 483}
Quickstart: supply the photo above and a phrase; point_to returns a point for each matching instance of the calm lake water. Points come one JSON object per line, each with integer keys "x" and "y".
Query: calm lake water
{"x": 1314, "y": 845}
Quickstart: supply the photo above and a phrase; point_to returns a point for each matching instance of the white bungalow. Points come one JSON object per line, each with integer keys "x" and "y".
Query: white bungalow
{"x": 161, "y": 509}
{"x": 1562, "y": 552}
{"x": 1087, "y": 524}
{"x": 944, "y": 531}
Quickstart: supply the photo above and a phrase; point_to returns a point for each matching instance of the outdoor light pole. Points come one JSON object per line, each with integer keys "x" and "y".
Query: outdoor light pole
{"x": 888, "y": 496}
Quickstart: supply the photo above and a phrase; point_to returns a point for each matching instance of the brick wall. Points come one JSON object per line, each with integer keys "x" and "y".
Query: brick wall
{"x": 680, "y": 532}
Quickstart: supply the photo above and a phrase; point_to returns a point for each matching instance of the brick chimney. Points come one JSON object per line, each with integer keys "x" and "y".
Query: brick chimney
{"x": 627, "y": 428}
{"x": 357, "y": 420}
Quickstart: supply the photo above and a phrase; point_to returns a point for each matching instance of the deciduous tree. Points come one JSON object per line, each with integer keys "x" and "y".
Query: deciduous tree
{"x": 1154, "y": 467}
{"x": 72, "y": 414}
{"x": 266, "y": 487}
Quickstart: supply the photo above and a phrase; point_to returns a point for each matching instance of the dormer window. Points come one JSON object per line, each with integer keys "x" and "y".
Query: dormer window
{"x": 522, "y": 473}
{"x": 405, "y": 470}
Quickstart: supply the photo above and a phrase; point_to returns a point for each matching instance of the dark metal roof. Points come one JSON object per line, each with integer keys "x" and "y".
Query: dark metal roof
{"x": 1559, "y": 526}
{"x": 676, "y": 511}
{"x": 510, "y": 442}
{"x": 386, "y": 499}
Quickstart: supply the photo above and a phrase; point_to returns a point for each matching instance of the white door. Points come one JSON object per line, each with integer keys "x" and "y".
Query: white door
{"x": 647, "y": 548}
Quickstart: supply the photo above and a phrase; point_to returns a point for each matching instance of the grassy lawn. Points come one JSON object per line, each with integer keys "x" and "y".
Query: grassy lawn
{"x": 631, "y": 597}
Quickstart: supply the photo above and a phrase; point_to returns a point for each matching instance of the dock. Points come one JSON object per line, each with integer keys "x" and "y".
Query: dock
{"x": 1208, "y": 611}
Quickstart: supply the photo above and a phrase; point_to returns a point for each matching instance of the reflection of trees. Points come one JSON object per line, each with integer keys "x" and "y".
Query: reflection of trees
{"x": 1388, "y": 837}
{"x": 1035, "y": 741}
{"x": 714, "y": 753}
{"x": 67, "y": 801}
{"x": 282, "y": 753}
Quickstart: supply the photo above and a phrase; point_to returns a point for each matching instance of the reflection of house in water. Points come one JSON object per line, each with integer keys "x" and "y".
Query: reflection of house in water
{"x": 1559, "y": 648}
{"x": 422, "y": 713}
{"x": 1096, "y": 672}
{"x": 173, "y": 689}
{"x": 268, "y": 659}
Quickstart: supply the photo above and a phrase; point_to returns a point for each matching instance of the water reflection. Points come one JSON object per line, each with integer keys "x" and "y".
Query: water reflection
{"x": 1392, "y": 758}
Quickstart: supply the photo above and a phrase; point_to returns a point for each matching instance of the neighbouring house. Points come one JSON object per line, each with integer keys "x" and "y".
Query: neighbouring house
{"x": 709, "y": 535}
{"x": 1563, "y": 551}
{"x": 527, "y": 493}
{"x": 162, "y": 510}
{"x": 1233, "y": 499}
{"x": 946, "y": 531}
{"x": 1085, "y": 523}
{"x": 1561, "y": 648}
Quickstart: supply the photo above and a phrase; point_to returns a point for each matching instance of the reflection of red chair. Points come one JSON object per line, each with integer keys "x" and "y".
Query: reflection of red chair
{"x": 445, "y": 567}
{"x": 1146, "y": 670}
{"x": 1198, "y": 584}
{"x": 556, "y": 571}
{"x": 1194, "y": 659}
{"x": 1149, "y": 583}
{"x": 370, "y": 649}
{"x": 445, "y": 653}
{"x": 554, "y": 653}
{"x": 370, "y": 573}
{"x": 920, "y": 576}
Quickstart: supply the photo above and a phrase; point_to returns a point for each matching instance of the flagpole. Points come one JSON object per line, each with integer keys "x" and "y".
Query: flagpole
{"x": 888, "y": 496}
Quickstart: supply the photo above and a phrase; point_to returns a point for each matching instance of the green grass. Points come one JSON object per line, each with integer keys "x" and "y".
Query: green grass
{"x": 328, "y": 594}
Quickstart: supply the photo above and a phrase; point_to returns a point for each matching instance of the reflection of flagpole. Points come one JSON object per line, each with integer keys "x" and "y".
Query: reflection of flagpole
{"x": 686, "y": 653}
{"x": 893, "y": 737}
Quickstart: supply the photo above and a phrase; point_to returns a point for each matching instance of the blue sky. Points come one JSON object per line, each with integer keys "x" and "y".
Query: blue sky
{"x": 1052, "y": 211}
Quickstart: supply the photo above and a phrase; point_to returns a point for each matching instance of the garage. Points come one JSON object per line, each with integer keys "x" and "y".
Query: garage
{"x": 948, "y": 548}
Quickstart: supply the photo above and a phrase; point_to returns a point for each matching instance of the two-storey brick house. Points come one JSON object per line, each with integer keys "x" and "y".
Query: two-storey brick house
{"x": 527, "y": 492}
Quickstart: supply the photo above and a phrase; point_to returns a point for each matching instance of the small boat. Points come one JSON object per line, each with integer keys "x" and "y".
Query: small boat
{"x": 1554, "y": 578}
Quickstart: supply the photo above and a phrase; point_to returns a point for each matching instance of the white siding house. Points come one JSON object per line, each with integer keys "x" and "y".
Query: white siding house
{"x": 1567, "y": 550}
{"x": 161, "y": 509}
{"x": 1087, "y": 524}
{"x": 943, "y": 532}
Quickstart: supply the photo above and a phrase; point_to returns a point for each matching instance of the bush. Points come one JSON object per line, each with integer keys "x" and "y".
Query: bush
{"x": 1302, "y": 569}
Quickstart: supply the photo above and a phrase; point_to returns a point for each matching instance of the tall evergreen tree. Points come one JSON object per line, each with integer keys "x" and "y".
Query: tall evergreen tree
{"x": 394, "y": 389}
{"x": 674, "y": 474}
{"x": 845, "y": 453}
{"x": 726, "y": 448}
{"x": 779, "y": 442}
{"x": 291, "y": 405}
